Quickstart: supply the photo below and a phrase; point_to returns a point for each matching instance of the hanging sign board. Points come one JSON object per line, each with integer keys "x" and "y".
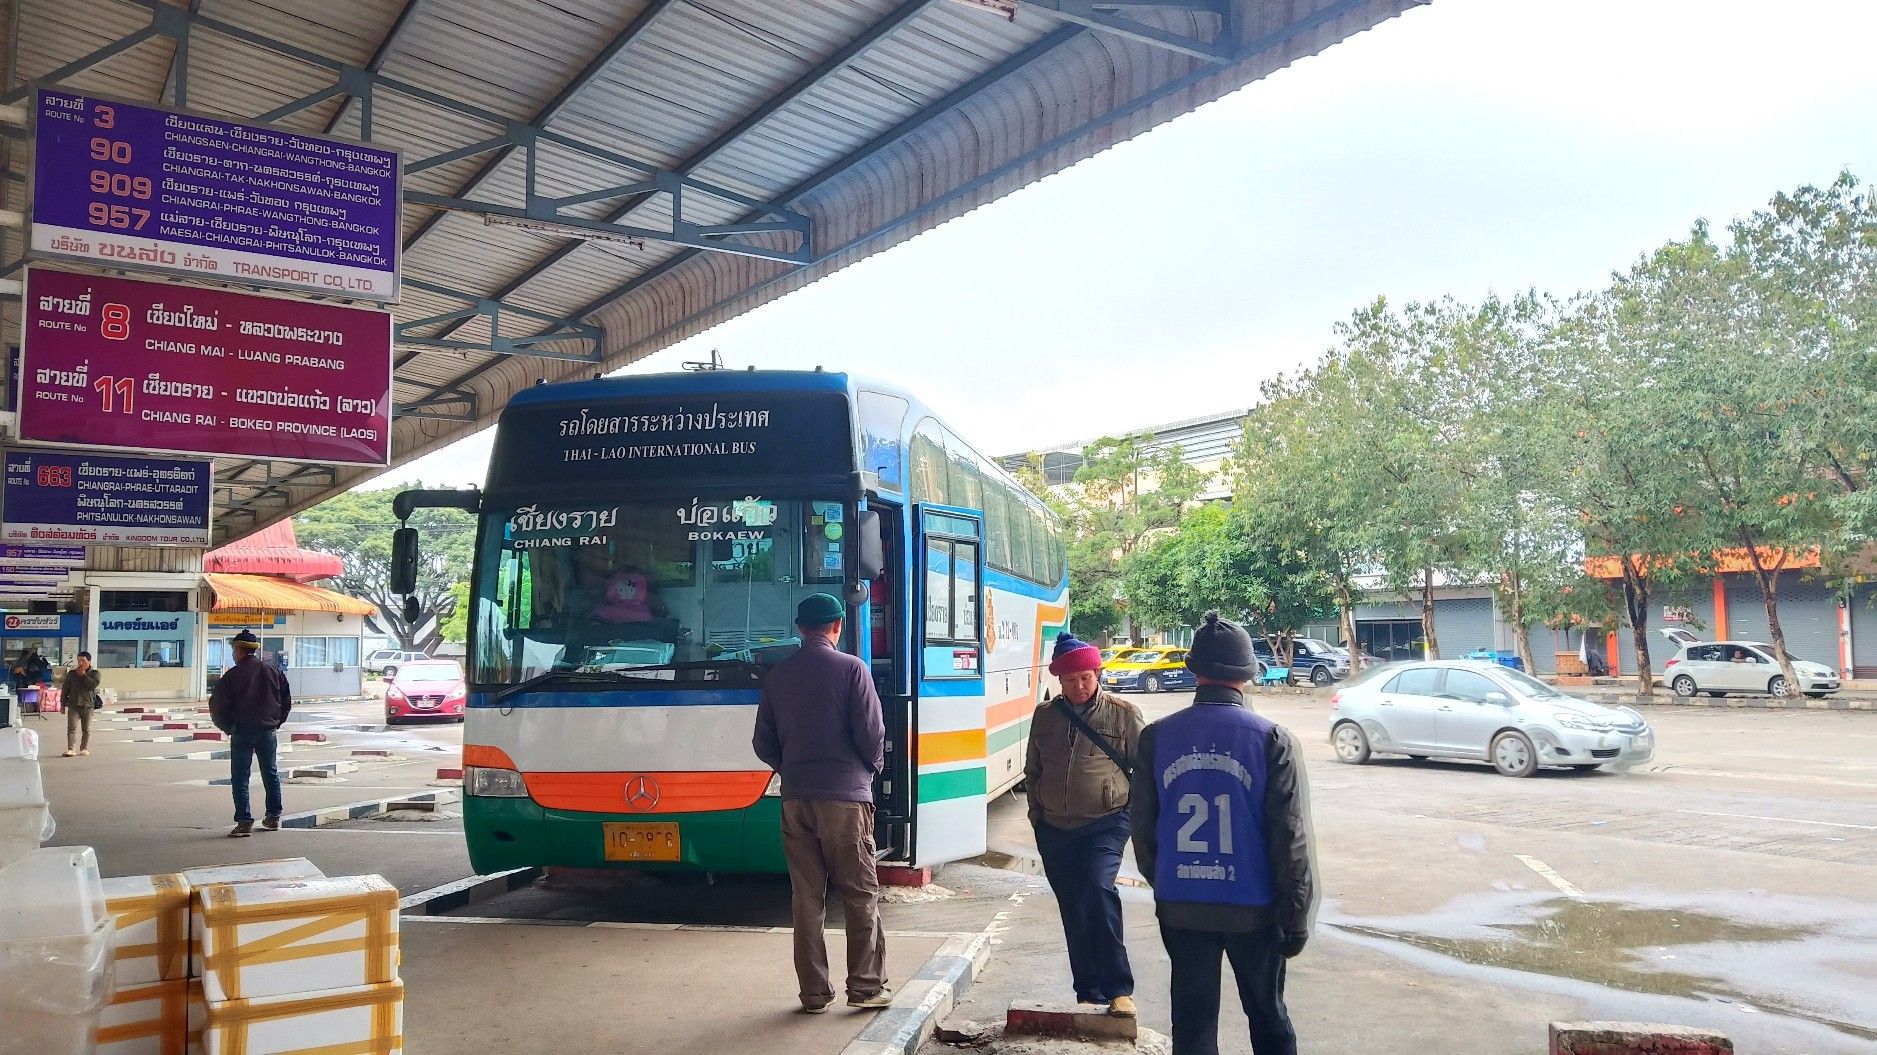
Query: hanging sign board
{"x": 99, "y": 500}
{"x": 153, "y": 366}
{"x": 131, "y": 186}
{"x": 54, "y": 558}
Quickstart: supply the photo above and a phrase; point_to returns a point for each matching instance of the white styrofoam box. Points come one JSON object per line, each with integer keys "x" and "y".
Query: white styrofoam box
{"x": 259, "y": 871}
{"x": 152, "y": 915}
{"x": 16, "y": 742}
{"x": 361, "y": 1018}
{"x": 297, "y": 936}
{"x": 20, "y": 784}
{"x": 51, "y": 893}
{"x": 146, "y": 1020}
{"x": 31, "y": 1031}
{"x": 22, "y": 830}
{"x": 283, "y": 868}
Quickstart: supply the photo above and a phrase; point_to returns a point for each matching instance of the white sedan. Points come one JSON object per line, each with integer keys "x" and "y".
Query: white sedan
{"x": 1481, "y": 711}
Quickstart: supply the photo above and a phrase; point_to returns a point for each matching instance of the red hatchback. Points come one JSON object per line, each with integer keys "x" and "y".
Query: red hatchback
{"x": 431, "y": 688}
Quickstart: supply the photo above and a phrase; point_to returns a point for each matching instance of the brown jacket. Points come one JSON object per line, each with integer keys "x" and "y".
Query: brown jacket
{"x": 79, "y": 691}
{"x": 1071, "y": 781}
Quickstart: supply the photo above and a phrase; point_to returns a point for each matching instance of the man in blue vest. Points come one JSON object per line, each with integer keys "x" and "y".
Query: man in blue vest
{"x": 1221, "y": 829}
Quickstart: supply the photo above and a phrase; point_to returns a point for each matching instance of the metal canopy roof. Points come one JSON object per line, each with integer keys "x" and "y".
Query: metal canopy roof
{"x": 588, "y": 181}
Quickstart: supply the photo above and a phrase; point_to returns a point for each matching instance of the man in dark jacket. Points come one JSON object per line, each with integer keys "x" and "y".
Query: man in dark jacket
{"x": 78, "y": 694}
{"x": 1222, "y": 831}
{"x": 1078, "y": 797}
{"x": 819, "y": 726}
{"x": 249, "y": 703}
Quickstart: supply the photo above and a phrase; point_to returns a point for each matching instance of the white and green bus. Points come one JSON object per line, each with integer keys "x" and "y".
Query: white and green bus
{"x": 642, "y": 545}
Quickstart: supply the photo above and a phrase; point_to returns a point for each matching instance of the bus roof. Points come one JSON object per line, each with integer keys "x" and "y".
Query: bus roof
{"x": 701, "y": 382}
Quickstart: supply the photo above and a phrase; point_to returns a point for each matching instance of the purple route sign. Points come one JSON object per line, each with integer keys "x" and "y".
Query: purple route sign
{"x": 99, "y": 500}
{"x": 134, "y": 186}
{"x": 53, "y": 556}
{"x": 153, "y": 366}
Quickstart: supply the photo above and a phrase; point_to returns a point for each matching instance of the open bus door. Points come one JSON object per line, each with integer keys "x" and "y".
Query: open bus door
{"x": 949, "y": 777}
{"x": 892, "y": 679}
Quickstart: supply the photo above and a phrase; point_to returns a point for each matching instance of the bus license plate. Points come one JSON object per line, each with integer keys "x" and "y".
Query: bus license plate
{"x": 641, "y": 842}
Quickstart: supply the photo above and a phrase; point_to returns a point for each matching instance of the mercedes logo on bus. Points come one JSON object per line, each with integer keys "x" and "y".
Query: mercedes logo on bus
{"x": 641, "y": 794}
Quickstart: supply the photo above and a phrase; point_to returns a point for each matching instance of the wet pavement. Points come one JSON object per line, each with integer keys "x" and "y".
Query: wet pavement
{"x": 1730, "y": 884}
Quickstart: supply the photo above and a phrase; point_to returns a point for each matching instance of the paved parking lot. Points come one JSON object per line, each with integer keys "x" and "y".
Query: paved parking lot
{"x": 1732, "y": 882}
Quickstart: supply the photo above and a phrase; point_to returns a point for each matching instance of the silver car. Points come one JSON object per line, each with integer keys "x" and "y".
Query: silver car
{"x": 1482, "y": 711}
{"x": 1746, "y": 667}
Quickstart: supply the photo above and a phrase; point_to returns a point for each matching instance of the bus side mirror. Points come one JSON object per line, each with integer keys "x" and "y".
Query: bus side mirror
{"x": 869, "y": 547}
{"x": 404, "y": 560}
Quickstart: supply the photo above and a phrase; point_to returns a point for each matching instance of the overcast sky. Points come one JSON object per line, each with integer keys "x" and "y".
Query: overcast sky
{"x": 1467, "y": 146}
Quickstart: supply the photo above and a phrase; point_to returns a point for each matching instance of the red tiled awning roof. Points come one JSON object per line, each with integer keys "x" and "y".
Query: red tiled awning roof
{"x": 274, "y": 551}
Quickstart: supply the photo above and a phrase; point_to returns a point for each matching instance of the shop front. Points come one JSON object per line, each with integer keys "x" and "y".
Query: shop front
{"x": 315, "y": 636}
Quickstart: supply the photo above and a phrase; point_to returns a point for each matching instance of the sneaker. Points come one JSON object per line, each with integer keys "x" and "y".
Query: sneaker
{"x": 242, "y": 830}
{"x": 1121, "y": 1007}
{"x": 883, "y": 998}
{"x": 816, "y": 1009}
{"x": 86, "y": 751}
{"x": 271, "y": 823}
{"x": 70, "y": 754}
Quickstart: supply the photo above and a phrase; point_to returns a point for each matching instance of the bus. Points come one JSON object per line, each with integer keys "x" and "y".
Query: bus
{"x": 641, "y": 546}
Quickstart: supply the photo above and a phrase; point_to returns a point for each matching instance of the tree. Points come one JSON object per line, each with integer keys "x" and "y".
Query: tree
{"x": 1125, "y": 493}
{"x": 455, "y": 627}
{"x": 1217, "y": 559}
{"x": 356, "y": 527}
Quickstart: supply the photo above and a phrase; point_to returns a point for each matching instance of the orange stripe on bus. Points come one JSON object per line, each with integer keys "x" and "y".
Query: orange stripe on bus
{"x": 668, "y": 792}
{"x": 487, "y": 757}
{"x": 962, "y": 746}
{"x": 1009, "y": 711}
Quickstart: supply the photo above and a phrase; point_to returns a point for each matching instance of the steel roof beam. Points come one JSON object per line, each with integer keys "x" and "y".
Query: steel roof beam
{"x": 802, "y": 85}
{"x": 377, "y": 62}
{"x": 493, "y": 309}
{"x": 547, "y": 113}
{"x": 1106, "y": 18}
{"x": 362, "y": 83}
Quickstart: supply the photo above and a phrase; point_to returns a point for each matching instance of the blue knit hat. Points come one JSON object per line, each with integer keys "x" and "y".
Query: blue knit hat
{"x": 1073, "y": 654}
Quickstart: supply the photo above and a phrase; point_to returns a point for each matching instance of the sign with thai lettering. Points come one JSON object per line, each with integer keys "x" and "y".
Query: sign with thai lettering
{"x": 130, "y": 626}
{"x": 17, "y": 621}
{"x": 153, "y": 366}
{"x": 99, "y": 500}
{"x": 742, "y": 438}
{"x": 28, "y": 571}
{"x": 143, "y": 187}
{"x": 247, "y": 620}
{"x": 52, "y": 556}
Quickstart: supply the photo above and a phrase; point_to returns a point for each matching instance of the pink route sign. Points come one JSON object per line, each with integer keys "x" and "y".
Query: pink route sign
{"x": 153, "y": 366}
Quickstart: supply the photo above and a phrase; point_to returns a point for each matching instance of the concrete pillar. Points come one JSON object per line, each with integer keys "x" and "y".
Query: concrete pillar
{"x": 1720, "y": 607}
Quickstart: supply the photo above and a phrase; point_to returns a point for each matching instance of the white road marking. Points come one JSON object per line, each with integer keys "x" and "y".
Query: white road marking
{"x": 1551, "y": 876}
{"x": 1782, "y": 820}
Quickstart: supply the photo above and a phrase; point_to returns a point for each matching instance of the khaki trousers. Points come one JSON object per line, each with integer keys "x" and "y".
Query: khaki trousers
{"x": 829, "y": 846}
{"x": 78, "y": 728}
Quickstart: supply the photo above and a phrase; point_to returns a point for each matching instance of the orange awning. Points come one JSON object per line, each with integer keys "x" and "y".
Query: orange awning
{"x": 264, "y": 593}
{"x": 1726, "y": 560}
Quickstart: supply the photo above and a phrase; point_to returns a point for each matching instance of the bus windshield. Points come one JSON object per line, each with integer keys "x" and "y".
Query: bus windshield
{"x": 647, "y": 586}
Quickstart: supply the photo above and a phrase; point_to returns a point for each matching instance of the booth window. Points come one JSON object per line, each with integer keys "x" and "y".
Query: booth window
{"x": 144, "y": 653}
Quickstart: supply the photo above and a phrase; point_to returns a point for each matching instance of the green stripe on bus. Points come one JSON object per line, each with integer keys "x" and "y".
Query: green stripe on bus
{"x": 1007, "y": 736}
{"x": 951, "y": 784}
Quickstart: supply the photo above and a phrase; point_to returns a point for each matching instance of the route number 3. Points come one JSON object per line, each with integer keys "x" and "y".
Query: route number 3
{"x": 1197, "y": 806}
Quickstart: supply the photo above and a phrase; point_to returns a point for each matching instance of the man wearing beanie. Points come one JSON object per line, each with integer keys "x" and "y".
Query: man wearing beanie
{"x": 1222, "y": 831}
{"x": 1078, "y": 791}
{"x": 819, "y": 725}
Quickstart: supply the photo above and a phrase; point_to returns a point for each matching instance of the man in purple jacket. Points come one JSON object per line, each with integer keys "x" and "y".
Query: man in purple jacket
{"x": 819, "y": 726}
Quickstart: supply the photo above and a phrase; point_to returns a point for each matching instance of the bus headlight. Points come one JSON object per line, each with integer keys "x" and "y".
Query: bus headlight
{"x": 493, "y": 783}
{"x": 774, "y": 790}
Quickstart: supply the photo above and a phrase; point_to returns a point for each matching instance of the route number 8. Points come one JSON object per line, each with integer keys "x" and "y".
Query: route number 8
{"x": 1197, "y": 806}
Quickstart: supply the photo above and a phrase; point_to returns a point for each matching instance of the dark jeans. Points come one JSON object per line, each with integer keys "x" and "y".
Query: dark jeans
{"x": 1081, "y": 864}
{"x": 1259, "y": 969}
{"x": 245, "y": 747}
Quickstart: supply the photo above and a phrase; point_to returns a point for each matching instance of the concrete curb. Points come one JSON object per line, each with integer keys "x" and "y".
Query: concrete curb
{"x": 1737, "y": 703}
{"x": 469, "y": 891}
{"x": 354, "y": 810}
{"x": 929, "y": 996}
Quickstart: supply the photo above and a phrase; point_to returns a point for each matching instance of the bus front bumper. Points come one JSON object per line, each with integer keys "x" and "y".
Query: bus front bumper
{"x": 506, "y": 833}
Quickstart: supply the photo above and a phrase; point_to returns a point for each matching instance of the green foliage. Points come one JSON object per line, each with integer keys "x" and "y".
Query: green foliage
{"x": 356, "y": 527}
{"x": 456, "y": 626}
